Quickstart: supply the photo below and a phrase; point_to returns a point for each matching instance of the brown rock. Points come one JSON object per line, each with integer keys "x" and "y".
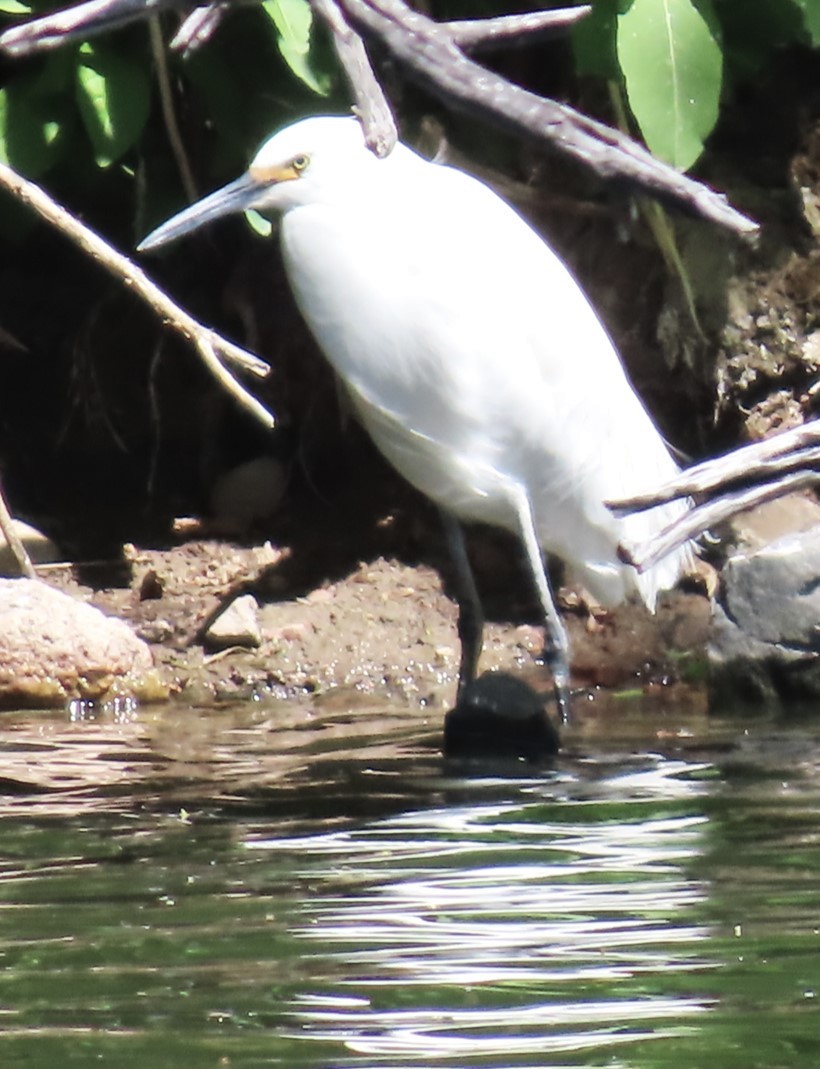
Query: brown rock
{"x": 54, "y": 649}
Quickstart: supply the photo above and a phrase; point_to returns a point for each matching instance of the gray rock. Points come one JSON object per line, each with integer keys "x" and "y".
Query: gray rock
{"x": 765, "y": 642}
{"x": 237, "y": 625}
{"x": 54, "y": 649}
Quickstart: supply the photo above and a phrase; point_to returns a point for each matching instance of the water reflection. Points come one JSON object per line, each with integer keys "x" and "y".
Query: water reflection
{"x": 278, "y": 887}
{"x": 508, "y": 928}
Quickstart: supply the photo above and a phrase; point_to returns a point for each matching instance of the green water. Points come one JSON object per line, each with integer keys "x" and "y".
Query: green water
{"x": 285, "y": 887}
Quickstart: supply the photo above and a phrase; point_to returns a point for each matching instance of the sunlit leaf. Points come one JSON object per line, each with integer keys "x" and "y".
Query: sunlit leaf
{"x": 811, "y": 18}
{"x": 14, "y": 7}
{"x": 259, "y": 223}
{"x": 113, "y": 94}
{"x": 29, "y": 130}
{"x": 293, "y": 20}
{"x": 672, "y": 65}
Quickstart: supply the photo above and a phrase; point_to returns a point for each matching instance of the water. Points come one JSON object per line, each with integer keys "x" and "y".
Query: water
{"x": 284, "y": 886}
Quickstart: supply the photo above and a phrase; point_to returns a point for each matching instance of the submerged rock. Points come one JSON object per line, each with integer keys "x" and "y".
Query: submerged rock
{"x": 54, "y": 649}
{"x": 500, "y": 716}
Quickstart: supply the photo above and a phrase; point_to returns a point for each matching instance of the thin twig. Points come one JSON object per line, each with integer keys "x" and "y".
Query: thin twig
{"x": 371, "y": 103}
{"x": 199, "y": 27}
{"x": 166, "y": 99}
{"x": 207, "y": 342}
{"x": 13, "y": 540}
{"x": 475, "y": 34}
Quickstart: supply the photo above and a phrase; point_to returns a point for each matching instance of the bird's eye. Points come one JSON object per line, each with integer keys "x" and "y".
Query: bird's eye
{"x": 299, "y": 163}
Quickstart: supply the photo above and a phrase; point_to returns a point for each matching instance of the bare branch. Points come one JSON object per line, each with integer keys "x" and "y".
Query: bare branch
{"x": 750, "y": 463}
{"x": 475, "y": 34}
{"x": 699, "y": 519}
{"x": 371, "y": 104}
{"x": 86, "y": 19}
{"x": 430, "y": 55}
{"x": 199, "y": 27}
{"x": 207, "y": 342}
{"x": 729, "y": 484}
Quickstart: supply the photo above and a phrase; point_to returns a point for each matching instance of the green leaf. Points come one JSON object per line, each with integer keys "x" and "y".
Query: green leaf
{"x": 754, "y": 29}
{"x": 14, "y": 7}
{"x": 672, "y": 65}
{"x": 593, "y": 40}
{"x": 113, "y": 94}
{"x": 30, "y": 127}
{"x": 811, "y": 18}
{"x": 259, "y": 224}
{"x": 293, "y": 20}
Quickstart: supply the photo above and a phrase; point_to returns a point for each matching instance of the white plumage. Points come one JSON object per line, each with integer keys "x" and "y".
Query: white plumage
{"x": 470, "y": 353}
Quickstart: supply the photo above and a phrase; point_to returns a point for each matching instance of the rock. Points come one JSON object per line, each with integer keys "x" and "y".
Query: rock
{"x": 765, "y": 642}
{"x": 499, "y": 717}
{"x": 54, "y": 649}
{"x": 249, "y": 492}
{"x": 774, "y": 519}
{"x": 237, "y": 625}
{"x": 40, "y": 549}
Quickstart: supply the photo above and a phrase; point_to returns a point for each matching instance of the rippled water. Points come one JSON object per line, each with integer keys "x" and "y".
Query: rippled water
{"x": 306, "y": 887}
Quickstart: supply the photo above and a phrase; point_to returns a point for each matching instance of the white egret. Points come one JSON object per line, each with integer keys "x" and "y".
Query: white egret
{"x": 471, "y": 356}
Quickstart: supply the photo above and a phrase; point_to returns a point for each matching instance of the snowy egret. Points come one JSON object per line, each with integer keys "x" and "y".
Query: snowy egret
{"x": 471, "y": 356}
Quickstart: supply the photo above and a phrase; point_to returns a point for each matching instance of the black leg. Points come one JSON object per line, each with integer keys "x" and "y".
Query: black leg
{"x": 470, "y": 615}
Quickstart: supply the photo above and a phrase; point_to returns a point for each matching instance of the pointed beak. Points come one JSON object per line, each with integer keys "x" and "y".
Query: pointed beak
{"x": 236, "y": 197}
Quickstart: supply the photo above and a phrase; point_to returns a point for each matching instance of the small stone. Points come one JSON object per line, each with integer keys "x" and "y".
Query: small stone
{"x": 237, "y": 625}
{"x": 249, "y": 492}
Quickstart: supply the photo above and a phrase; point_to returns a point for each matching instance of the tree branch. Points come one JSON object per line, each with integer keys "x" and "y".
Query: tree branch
{"x": 371, "y": 104}
{"x": 207, "y": 342}
{"x": 700, "y": 518}
{"x": 726, "y": 485}
{"x": 750, "y": 463}
{"x": 431, "y": 56}
{"x": 81, "y": 21}
{"x": 475, "y": 34}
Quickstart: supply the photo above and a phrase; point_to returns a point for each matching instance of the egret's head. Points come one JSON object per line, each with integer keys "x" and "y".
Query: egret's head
{"x": 312, "y": 161}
